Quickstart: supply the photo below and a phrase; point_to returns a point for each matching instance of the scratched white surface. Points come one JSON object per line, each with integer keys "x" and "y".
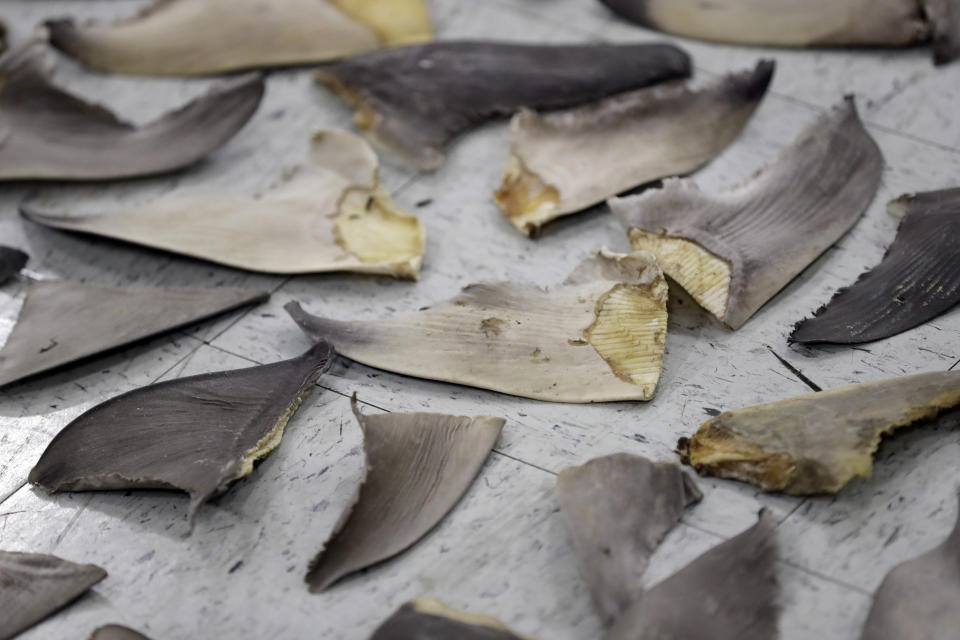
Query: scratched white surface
{"x": 504, "y": 549}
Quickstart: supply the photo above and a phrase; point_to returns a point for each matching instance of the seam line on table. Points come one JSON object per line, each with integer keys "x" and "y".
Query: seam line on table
{"x": 788, "y": 563}
{"x": 240, "y": 316}
{"x": 375, "y": 406}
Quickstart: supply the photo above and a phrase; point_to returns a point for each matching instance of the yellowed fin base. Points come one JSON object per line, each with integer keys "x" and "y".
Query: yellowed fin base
{"x": 630, "y": 332}
{"x": 271, "y": 441}
{"x": 525, "y": 198}
{"x": 433, "y": 607}
{"x": 364, "y": 116}
{"x": 395, "y": 21}
{"x": 705, "y": 276}
{"x": 728, "y": 455}
{"x": 374, "y": 230}
{"x": 717, "y": 450}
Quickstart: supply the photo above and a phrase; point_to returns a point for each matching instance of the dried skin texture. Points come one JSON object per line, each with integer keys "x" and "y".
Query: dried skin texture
{"x": 189, "y": 37}
{"x": 918, "y": 599}
{"x": 117, "y": 632}
{"x": 918, "y": 279}
{"x": 816, "y": 443}
{"x": 565, "y": 162}
{"x": 415, "y": 99}
{"x": 418, "y": 465}
{"x": 48, "y": 134}
{"x": 331, "y": 214}
{"x": 731, "y": 590}
{"x": 11, "y": 262}
{"x": 802, "y": 23}
{"x": 735, "y": 251}
{"x": 597, "y": 337}
{"x": 619, "y": 508}
{"x": 197, "y": 434}
{"x": 428, "y": 619}
{"x": 33, "y": 586}
{"x": 62, "y": 322}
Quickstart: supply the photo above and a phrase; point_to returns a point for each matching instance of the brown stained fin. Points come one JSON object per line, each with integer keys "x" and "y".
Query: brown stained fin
{"x": 804, "y": 23}
{"x": 172, "y": 37}
{"x": 918, "y": 599}
{"x": 728, "y": 593}
{"x": 49, "y": 134}
{"x": 778, "y": 447}
{"x": 197, "y": 434}
{"x": 428, "y": 619}
{"x": 733, "y": 252}
{"x": 331, "y": 214}
{"x": 418, "y": 465}
{"x": 597, "y": 337}
{"x": 917, "y": 280}
{"x": 34, "y": 586}
{"x": 415, "y": 99}
{"x": 619, "y": 508}
{"x": 11, "y": 262}
{"x": 62, "y": 321}
{"x": 565, "y": 162}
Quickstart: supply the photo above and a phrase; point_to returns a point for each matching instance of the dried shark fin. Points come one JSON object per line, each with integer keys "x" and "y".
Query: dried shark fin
{"x": 597, "y": 337}
{"x": 11, "y": 262}
{"x": 418, "y": 465}
{"x": 62, "y": 321}
{"x": 918, "y": 598}
{"x": 917, "y": 280}
{"x": 778, "y": 447}
{"x": 733, "y": 252}
{"x": 172, "y": 37}
{"x": 561, "y": 163}
{"x": 34, "y": 586}
{"x": 116, "y": 632}
{"x": 731, "y": 590}
{"x": 802, "y": 23}
{"x": 332, "y": 214}
{"x": 197, "y": 434}
{"x": 619, "y": 508}
{"x": 944, "y": 19}
{"x": 49, "y": 134}
{"x": 429, "y": 619}
{"x": 413, "y": 100}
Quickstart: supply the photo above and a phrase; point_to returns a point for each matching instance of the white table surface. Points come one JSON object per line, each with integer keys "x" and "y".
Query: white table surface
{"x": 504, "y": 550}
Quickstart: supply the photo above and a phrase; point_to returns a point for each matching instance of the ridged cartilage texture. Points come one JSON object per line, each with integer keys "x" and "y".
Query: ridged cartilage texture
{"x": 705, "y": 276}
{"x": 629, "y": 333}
{"x": 773, "y": 227}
